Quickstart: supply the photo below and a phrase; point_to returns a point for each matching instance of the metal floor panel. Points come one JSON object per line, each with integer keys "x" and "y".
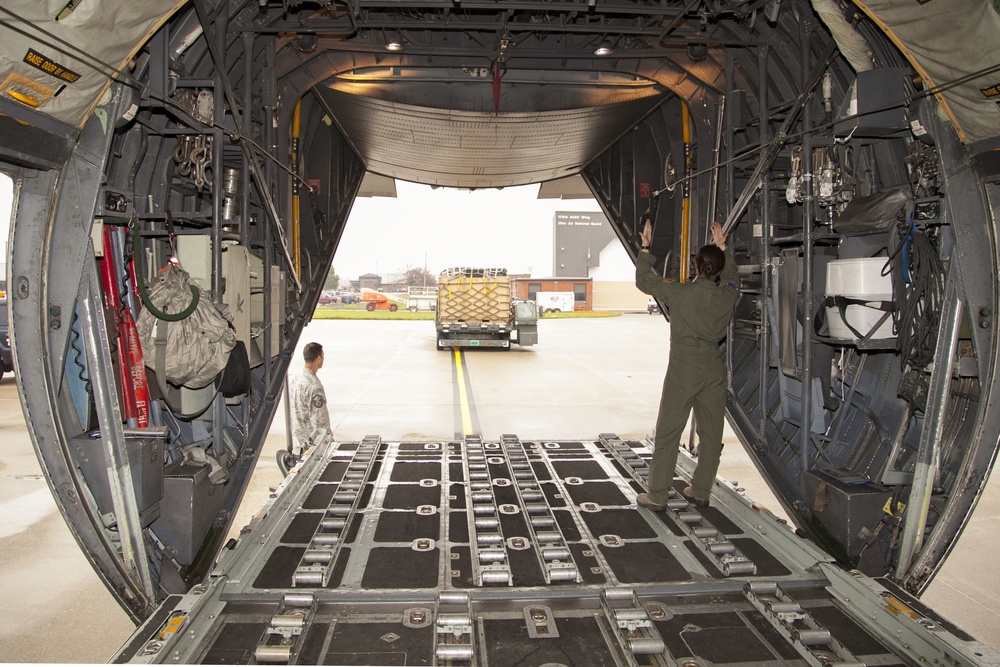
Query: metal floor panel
{"x": 510, "y": 552}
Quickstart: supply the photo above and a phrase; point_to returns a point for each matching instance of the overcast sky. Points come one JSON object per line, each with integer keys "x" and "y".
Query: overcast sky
{"x": 508, "y": 228}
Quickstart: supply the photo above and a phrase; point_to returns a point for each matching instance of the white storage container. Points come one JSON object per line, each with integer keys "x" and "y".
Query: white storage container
{"x": 858, "y": 279}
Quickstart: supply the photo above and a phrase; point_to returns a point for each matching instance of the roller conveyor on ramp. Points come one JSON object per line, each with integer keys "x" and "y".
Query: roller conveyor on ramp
{"x": 478, "y": 552}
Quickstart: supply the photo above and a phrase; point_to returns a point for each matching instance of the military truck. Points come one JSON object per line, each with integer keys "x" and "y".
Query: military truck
{"x": 475, "y": 309}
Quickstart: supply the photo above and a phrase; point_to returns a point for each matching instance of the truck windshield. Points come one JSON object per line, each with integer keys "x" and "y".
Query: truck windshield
{"x": 524, "y": 310}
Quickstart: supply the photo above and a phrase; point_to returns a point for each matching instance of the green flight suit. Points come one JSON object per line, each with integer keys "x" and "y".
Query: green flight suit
{"x": 700, "y": 313}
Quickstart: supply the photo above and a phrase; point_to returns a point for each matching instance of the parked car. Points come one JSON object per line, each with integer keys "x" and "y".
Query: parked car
{"x": 327, "y": 298}
{"x": 652, "y": 306}
{"x": 6, "y": 360}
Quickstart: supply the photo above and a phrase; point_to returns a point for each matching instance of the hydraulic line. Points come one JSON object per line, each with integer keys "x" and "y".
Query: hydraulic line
{"x": 918, "y": 284}
{"x": 686, "y": 201}
{"x": 296, "y": 239}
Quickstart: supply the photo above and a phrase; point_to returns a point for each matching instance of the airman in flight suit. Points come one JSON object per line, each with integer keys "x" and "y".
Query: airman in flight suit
{"x": 700, "y": 312}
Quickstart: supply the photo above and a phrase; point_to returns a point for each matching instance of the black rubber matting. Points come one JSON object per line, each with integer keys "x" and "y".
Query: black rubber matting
{"x": 670, "y": 520}
{"x": 715, "y": 517}
{"x": 602, "y": 493}
{"x": 456, "y": 493}
{"x": 407, "y": 526}
{"x": 280, "y": 566}
{"x": 628, "y": 524}
{"x": 302, "y": 528}
{"x": 353, "y": 528}
{"x": 311, "y": 646}
{"x": 334, "y": 472}
{"x": 320, "y": 496}
{"x": 386, "y": 643}
{"x": 853, "y": 636}
{"x": 401, "y": 567}
{"x": 337, "y": 575}
{"x": 513, "y": 525}
{"x": 767, "y": 564}
{"x": 567, "y": 525}
{"x": 461, "y": 562}
{"x": 553, "y": 494}
{"x": 414, "y": 472}
{"x": 722, "y": 637}
{"x": 644, "y": 562}
{"x": 277, "y": 571}
{"x": 235, "y": 644}
{"x": 579, "y": 643}
{"x": 458, "y": 527}
{"x": 455, "y": 472}
{"x": 499, "y": 470}
{"x": 505, "y": 495}
{"x": 524, "y": 567}
{"x": 411, "y": 496}
{"x": 581, "y": 469}
{"x": 587, "y": 565}
{"x": 421, "y": 447}
{"x": 541, "y": 470}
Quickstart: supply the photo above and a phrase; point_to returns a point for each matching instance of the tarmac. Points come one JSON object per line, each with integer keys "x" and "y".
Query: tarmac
{"x": 585, "y": 377}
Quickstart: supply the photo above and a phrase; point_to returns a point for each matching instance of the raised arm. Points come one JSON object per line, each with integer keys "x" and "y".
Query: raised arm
{"x": 730, "y": 276}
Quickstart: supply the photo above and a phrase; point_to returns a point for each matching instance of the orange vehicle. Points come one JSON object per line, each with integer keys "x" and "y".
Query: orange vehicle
{"x": 375, "y": 300}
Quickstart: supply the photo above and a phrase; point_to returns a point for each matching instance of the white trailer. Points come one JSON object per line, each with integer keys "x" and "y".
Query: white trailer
{"x": 555, "y": 302}
{"x": 421, "y": 298}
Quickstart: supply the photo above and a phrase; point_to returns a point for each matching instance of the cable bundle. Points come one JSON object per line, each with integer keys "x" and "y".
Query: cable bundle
{"x": 917, "y": 275}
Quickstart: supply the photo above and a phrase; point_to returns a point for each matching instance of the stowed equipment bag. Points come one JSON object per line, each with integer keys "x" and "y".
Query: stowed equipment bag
{"x": 186, "y": 338}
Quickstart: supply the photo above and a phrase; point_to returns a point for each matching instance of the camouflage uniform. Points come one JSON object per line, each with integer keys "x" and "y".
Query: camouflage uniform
{"x": 700, "y": 313}
{"x": 309, "y": 411}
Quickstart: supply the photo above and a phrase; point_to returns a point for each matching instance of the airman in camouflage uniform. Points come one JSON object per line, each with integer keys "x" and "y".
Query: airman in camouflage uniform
{"x": 700, "y": 312}
{"x": 308, "y": 398}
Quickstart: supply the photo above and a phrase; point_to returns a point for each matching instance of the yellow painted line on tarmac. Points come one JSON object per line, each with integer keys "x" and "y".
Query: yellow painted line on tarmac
{"x": 463, "y": 394}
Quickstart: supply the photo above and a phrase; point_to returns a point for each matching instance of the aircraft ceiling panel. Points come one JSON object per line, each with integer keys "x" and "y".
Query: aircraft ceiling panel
{"x": 472, "y": 89}
{"x": 479, "y": 149}
{"x": 937, "y": 37}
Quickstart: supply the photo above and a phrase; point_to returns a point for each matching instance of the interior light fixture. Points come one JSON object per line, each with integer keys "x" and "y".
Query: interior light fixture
{"x": 605, "y": 49}
{"x": 394, "y": 43}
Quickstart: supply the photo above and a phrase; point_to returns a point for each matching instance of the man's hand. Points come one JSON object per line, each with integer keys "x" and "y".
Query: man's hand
{"x": 718, "y": 236}
{"x": 646, "y": 235}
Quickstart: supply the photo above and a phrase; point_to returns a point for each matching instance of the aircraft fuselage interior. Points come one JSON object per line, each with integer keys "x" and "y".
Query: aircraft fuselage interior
{"x": 849, "y": 148}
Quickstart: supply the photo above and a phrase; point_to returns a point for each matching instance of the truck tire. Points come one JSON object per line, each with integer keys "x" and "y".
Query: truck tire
{"x": 393, "y": 308}
{"x": 412, "y": 309}
{"x": 370, "y": 307}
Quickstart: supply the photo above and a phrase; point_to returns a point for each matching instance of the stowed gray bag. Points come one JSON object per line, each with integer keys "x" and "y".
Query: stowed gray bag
{"x": 190, "y": 351}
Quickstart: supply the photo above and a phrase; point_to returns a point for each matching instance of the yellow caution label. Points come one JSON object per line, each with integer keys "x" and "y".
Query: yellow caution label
{"x": 992, "y": 91}
{"x": 49, "y": 66}
{"x": 899, "y": 508}
{"x": 897, "y": 607}
{"x": 172, "y": 626}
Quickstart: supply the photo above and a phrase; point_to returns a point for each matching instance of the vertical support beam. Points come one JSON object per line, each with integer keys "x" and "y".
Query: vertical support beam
{"x": 113, "y": 437}
{"x": 929, "y": 450}
{"x": 218, "y": 175}
{"x": 269, "y": 103}
{"x": 159, "y": 61}
{"x": 805, "y": 433}
{"x": 765, "y": 249}
{"x": 249, "y": 40}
